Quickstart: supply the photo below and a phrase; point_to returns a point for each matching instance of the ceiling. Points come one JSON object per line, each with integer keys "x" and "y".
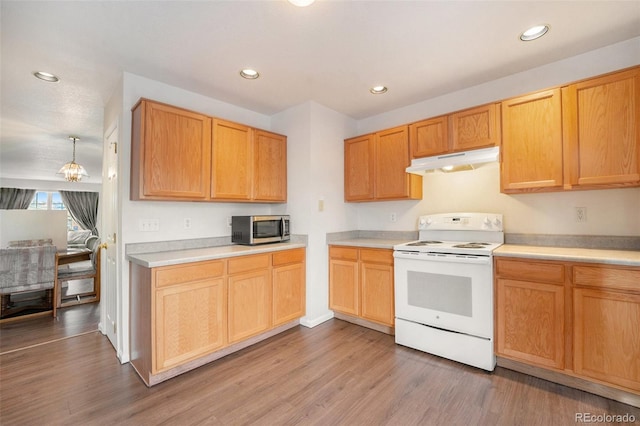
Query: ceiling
{"x": 331, "y": 52}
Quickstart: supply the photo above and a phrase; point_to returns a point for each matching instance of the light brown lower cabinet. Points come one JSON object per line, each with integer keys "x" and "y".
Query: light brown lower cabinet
{"x": 288, "y": 276}
{"x": 249, "y": 296}
{"x": 361, "y": 283}
{"x": 189, "y": 319}
{"x": 580, "y": 320}
{"x": 183, "y": 316}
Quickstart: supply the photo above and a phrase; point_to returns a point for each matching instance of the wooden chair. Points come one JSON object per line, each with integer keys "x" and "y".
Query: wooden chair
{"x": 79, "y": 267}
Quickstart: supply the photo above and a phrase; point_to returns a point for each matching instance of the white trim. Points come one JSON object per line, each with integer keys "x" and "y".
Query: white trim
{"x": 312, "y": 322}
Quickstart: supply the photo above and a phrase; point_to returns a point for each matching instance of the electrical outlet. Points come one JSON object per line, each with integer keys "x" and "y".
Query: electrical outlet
{"x": 187, "y": 223}
{"x": 581, "y": 214}
{"x": 149, "y": 225}
{"x": 393, "y": 217}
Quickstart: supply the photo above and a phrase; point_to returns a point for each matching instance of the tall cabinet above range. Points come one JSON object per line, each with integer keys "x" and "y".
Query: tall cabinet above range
{"x": 181, "y": 155}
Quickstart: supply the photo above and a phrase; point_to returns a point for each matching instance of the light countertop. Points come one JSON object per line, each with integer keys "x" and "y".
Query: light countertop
{"x": 613, "y": 257}
{"x": 368, "y": 242}
{"x": 176, "y": 257}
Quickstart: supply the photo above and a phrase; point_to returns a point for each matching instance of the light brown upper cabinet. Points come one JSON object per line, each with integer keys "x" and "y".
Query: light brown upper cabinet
{"x": 270, "y": 166}
{"x": 472, "y": 128}
{"x": 602, "y": 131}
{"x": 532, "y": 142}
{"x": 181, "y": 155}
{"x": 429, "y": 137}
{"x": 248, "y": 164}
{"x": 585, "y": 135}
{"x": 374, "y": 167}
{"x": 358, "y": 168}
{"x": 170, "y": 153}
{"x": 475, "y": 128}
{"x": 231, "y": 161}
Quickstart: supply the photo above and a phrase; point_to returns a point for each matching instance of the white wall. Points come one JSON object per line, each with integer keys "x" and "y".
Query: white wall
{"x": 315, "y": 150}
{"x": 609, "y": 212}
{"x": 33, "y": 225}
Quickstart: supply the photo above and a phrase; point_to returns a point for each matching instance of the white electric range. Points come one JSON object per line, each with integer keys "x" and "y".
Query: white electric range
{"x": 444, "y": 287}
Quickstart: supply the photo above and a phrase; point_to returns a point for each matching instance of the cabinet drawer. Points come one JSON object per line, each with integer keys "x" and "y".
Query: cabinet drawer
{"x": 346, "y": 253}
{"x": 531, "y": 271}
{"x": 607, "y": 277}
{"x": 377, "y": 256}
{"x": 248, "y": 263}
{"x": 190, "y": 272}
{"x": 288, "y": 256}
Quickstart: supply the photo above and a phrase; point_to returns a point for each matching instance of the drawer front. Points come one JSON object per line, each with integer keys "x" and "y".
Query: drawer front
{"x": 607, "y": 277}
{"x": 248, "y": 263}
{"x": 531, "y": 271}
{"x": 190, "y": 272}
{"x": 377, "y": 256}
{"x": 288, "y": 256}
{"x": 346, "y": 253}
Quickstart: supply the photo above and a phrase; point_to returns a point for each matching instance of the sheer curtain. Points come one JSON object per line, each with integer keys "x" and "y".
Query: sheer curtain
{"x": 83, "y": 207}
{"x": 16, "y": 198}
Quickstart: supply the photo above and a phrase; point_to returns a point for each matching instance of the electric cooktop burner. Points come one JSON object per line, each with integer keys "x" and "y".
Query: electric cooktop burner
{"x": 424, "y": 243}
{"x": 471, "y": 245}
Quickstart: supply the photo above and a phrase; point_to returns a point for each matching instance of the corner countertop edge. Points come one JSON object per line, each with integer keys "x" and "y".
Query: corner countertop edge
{"x": 177, "y": 257}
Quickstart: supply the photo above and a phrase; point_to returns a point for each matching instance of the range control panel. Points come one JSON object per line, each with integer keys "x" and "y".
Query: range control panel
{"x": 461, "y": 221}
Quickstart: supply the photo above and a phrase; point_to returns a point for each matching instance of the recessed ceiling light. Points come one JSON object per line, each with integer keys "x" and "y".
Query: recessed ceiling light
{"x": 46, "y": 76}
{"x": 301, "y": 3}
{"x": 534, "y": 32}
{"x": 378, "y": 90}
{"x": 249, "y": 74}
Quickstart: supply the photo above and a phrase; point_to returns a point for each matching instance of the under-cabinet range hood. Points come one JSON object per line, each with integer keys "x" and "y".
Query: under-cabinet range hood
{"x": 455, "y": 160}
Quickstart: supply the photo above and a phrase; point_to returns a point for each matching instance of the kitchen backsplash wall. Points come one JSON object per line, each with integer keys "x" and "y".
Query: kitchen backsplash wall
{"x": 609, "y": 212}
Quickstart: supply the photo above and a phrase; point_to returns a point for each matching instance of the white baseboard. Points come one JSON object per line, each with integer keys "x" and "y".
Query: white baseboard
{"x": 312, "y": 322}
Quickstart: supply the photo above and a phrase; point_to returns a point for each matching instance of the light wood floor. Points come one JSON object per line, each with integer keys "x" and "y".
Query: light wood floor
{"x": 334, "y": 374}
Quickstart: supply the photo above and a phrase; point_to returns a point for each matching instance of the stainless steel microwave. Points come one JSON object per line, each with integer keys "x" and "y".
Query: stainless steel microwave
{"x": 253, "y": 230}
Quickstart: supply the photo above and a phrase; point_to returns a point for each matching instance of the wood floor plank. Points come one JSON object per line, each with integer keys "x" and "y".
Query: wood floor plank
{"x": 71, "y": 321}
{"x": 334, "y": 374}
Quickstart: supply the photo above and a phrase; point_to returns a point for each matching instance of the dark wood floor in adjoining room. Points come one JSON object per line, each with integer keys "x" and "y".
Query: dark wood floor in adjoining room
{"x": 334, "y": 374}
{"x": 26, "y": 332}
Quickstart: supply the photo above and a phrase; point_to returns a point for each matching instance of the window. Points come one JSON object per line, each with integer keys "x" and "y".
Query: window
{"x": 44, "y": 200}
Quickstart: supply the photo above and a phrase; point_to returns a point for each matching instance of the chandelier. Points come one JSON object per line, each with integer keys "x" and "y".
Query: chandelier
{"x": 72, "y": 171}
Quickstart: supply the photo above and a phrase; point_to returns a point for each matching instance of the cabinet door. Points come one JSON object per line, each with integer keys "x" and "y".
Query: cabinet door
{"x": 429, "y": 137}
{"x": 376, "y": 282}
{"x": 530, "y": 322}
{"x": 288, "y": 293}
{"x": 249, "y": 297}
{"x": 391, "y": 160}
{"x": 602, "y": 128}
{"x": 270, "y": 167}
{"x": 358, "y": 168}
{"x": 189, "y": 322}
{"x": 232, "y": 162}
{"x": 171, "y": 151}
{"x": 532, "y": 143}
{"x": 607, "y": 336}
{"x": 475, "y": 128}
{"x": 343, "y": 286}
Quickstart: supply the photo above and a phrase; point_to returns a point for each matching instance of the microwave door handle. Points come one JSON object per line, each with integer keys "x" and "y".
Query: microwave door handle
{"x": 282, "y": 227}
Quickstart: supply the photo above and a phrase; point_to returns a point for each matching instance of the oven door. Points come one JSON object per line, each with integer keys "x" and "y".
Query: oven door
{"x": 449, "y": 292}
